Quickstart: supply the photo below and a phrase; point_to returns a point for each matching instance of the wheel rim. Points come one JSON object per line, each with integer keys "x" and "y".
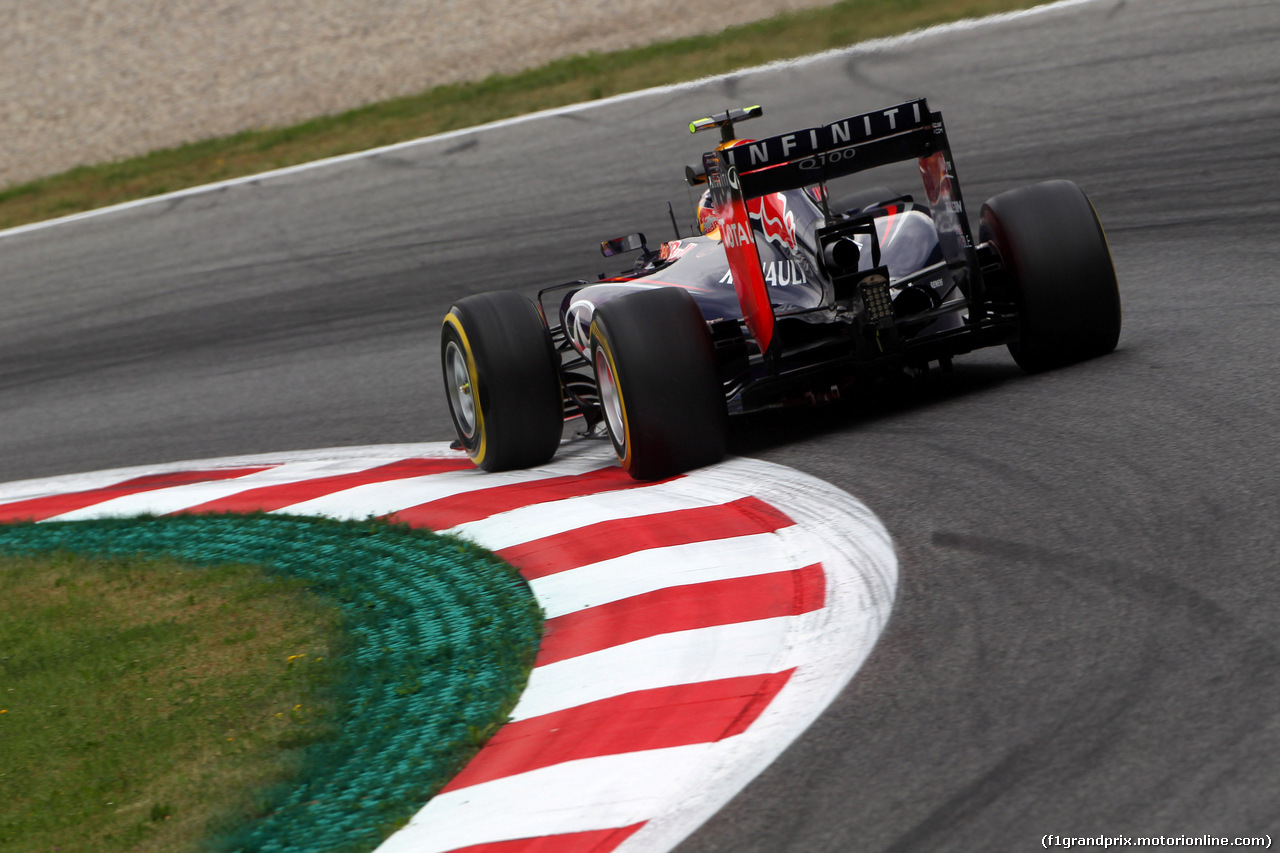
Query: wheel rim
{"x": 461, "y": 390}
{"x": 611, "y": 401}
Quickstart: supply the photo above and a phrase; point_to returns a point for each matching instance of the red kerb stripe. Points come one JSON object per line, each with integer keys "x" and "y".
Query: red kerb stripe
{"x": 268, "y": 498}
{"x": 678, "y": 715}
{"x": 682, "y": 608}
{"x": 608, "y": 539}
{"x": 592, "y": 841}
{"x": 481, "y": 503}
{"x": 38, "y": 509}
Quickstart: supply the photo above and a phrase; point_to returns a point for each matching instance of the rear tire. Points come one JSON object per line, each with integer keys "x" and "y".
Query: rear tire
{"x": 656, "y": 371}
{"x": 502, "y": 379}
{"x": 1059, "y": 273}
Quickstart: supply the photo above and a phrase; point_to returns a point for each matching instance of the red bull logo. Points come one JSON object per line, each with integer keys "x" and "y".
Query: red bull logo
{"x": 777, "y": 223}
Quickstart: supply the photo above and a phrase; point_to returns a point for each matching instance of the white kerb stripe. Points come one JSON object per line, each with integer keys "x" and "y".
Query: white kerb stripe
{"x": 548, "y": 519}
{"x": 681, "y": 657}
{"x": 373, "y": 499}
{"x": 607, "y": 792}
{"x": 679, "y": 565}
{"x": 177, "y": 498}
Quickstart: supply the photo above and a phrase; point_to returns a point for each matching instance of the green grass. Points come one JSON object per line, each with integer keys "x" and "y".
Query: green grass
{"x": 140, "y": 701}
{"x": 258, "y": 682}
{"x": 567, "y": 81}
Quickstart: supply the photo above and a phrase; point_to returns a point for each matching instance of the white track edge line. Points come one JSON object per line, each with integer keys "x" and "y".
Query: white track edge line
{"x": 869, "y": 46}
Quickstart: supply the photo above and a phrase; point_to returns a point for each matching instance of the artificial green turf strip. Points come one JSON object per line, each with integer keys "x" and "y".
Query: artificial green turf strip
{"x": 443, "y": 635}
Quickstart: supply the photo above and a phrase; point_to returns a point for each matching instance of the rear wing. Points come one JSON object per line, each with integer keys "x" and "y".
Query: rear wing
{"x": 820, "y": 154}
{"x": 816, "y": 155}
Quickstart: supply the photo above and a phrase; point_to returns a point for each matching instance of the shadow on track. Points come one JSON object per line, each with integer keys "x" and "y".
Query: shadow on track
{"x": 759, "y": 432}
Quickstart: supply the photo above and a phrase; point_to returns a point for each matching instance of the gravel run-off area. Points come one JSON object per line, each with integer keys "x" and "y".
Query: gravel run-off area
{"x": 87, "y": 81}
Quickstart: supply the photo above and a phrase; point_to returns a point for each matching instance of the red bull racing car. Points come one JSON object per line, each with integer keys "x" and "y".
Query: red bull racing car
{"x": 786, "y": 297}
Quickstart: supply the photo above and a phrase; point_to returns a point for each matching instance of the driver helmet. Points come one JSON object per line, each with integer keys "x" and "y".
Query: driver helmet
{"x": 708, "y": 224}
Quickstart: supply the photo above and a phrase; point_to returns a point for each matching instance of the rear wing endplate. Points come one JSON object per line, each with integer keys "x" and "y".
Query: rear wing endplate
{"x": 738, "y": 239}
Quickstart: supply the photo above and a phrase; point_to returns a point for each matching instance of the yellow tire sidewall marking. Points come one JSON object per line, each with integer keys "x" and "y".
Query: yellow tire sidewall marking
{"x": 455, "y": 322}
{"x": 602, "y": 345}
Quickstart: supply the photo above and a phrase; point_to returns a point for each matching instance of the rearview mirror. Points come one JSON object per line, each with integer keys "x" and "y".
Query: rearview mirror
{"x": 617, "y": 246}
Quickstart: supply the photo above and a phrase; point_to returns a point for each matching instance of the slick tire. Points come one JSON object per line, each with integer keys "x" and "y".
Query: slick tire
{"x": 502, "y": 380}
{"x": 656, "y": 372}
{"x": 1058, "y": 269}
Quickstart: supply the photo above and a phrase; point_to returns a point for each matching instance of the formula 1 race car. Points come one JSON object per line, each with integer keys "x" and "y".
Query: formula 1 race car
{"x": 787, "y": 297}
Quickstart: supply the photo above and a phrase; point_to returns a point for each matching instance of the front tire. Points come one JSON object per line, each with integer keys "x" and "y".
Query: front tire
{"x": 659, "y": 388}
{"x": 502, "y": 380}
{"x": 1058, "y": 269}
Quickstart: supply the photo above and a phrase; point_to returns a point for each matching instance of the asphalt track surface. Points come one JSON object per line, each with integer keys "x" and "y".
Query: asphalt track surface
{"x": 1085, "y": 639}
